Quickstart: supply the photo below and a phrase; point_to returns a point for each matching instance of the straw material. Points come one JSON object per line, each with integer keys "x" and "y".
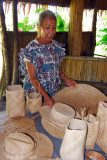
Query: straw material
{"x": 38, "y": 158}
{"x": 18, "y": 146}
{"x": 92, "y": 131}
{"x": 61, "y": 114}
{"x": 34, "y": 102}
{"x": 93, "y": 155}
{"x": 73, "y": 143}
{"x": 56, "y": 119}
{"x": 82, "y": 96}
{"x": 102, "y": 135}
{"x": 25, "y": 125}
{"x": 22, "y": 124}
{"x": 15, "y": 103}
{"x": 52, "y": 129}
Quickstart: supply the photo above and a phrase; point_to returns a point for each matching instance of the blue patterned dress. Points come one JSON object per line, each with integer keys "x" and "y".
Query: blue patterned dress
{"x": 46, "y": 59}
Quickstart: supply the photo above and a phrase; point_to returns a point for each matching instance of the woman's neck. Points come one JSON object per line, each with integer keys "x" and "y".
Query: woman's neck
{"x": 42, "y": 40}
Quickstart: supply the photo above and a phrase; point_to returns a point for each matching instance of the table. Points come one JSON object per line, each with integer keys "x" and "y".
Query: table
{"x": 56, "y": 141}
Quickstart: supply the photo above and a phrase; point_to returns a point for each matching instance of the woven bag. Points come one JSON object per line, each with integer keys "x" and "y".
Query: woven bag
{"x": 73, "y": 143}
{"x": 102, "y": 135}
{"x": 34, "y": 102}
{"x": 92, "y": 130}
{"x": 15, "y": 103}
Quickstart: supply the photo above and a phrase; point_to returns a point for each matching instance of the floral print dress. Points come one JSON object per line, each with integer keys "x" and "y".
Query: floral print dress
{"x": 46, "y": 59}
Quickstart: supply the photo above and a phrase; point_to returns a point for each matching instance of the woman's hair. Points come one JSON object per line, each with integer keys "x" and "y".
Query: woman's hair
{"x": 46, "y": 14}
{"x": 42, "y": 16}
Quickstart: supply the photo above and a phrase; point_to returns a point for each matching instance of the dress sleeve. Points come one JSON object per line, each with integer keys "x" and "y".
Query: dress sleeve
{"x": 61, "y": 54}
{"x": 27, "y": 53}
{"x": 59, "y": 49}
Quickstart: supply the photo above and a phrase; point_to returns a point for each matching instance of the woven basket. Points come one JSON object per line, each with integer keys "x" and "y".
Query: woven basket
{"x": 73, "y": 143}
{"x": 34, "y": 102}
{"x": 15, "y": 103}
{"x": 102, "y": 135}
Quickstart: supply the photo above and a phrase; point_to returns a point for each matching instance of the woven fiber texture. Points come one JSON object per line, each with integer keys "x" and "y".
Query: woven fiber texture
{"x": 38, "y": 158}
{"x": 56, "y": 119}
{"x": 82, "y": 96}
{"x": 18, "y": 146}
{"x": 25, "y": 125}
{"x": 92, "y": 131}
{"x": 102, "y": 136}
{"x": 15, "y": 103}
{"x": 34, "y": 102}
{"x": 22, "y": 124}
{"x": 73, "y": 143}
{"x": 52, "y": 129}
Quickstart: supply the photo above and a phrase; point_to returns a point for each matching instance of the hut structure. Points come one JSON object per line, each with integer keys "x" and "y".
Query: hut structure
{"x": 76, "y": 65}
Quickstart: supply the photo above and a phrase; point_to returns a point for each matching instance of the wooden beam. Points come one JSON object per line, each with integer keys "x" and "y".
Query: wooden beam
{"x": 93, "y": 37}
{"x": 15, "y": 51}
{"x": 75, "y": 27}
{"x": 4, "y": 45}
{"x": 60, "y": 3}
{"x": 88, "y": 4}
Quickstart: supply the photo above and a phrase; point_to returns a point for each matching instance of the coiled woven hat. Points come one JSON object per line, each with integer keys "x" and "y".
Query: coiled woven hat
{"x": 18, "y": 146}
{"x": 56, "y": 119}
{"x": 21, "y": 146}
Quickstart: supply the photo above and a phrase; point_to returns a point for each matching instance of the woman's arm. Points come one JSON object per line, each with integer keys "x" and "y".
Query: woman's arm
{"x": 68, "y": 82}
{"x": 38, "y": 86}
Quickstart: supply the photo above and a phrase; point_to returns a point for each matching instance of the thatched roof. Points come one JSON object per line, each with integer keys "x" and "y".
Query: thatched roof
{"x": 89, "y": 4}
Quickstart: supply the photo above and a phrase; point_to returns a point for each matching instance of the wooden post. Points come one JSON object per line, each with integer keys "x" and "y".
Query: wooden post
{"x": 75, "y": 27}
{"x": 15, "y": 51}
{"x": 93, "y": 37}
{"x": 4, "y": 45}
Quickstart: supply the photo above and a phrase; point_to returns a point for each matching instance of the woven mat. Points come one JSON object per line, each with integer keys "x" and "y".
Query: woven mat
{"x": 23, "y": 124}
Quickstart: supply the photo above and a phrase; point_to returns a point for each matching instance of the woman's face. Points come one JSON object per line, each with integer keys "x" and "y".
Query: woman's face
{"x": 49, "y": 29}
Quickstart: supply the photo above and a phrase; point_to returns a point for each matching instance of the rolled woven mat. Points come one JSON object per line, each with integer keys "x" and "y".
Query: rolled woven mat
{"x": 17, "y": 125}
{"x": 82, "y": 96}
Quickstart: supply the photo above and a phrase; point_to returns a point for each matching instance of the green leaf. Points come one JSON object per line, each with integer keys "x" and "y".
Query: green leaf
{"x": 103, "y": 30}
{"x": 26, "y": 20}
{"x": 20, "y": 25}
{"x": 60, "y": 23}
{"x": 39, "y": 10}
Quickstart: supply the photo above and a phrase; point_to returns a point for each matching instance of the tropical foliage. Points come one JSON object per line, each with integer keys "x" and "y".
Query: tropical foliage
{"x": 26, "y": 26}
{"x": 101, "y": 37}
{"x": 103, "y": 40}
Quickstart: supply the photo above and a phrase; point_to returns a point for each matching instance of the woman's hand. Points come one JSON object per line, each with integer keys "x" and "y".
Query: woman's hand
{"x": 69, "y": 82}
{"x": 49, "y": 102}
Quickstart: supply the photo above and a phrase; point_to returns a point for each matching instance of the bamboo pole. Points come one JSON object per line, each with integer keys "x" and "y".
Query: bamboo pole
{"x": 15, "y": 50}
{"x": 75, "y": 27}
{"x": 4, "y": 45}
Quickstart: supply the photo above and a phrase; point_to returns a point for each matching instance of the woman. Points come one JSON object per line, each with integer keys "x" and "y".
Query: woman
{"x": 40, "y": 60}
